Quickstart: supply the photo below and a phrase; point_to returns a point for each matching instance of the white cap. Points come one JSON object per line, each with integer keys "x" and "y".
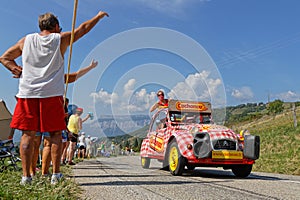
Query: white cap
{"x": 82, "y": 133}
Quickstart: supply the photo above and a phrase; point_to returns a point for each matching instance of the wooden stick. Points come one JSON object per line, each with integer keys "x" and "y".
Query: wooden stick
{"x": 71, "y": 47}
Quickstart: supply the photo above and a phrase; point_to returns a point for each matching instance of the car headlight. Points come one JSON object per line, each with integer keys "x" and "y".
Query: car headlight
{"x": 242, "y": 134}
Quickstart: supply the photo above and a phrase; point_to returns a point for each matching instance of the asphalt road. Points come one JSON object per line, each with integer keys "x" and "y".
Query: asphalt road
{"x": 123, "y": 178}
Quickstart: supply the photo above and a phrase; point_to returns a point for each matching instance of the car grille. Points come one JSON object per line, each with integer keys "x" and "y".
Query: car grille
{"x": 224, "y": 144}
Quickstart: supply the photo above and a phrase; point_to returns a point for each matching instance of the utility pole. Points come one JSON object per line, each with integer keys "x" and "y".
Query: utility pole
{"x": 294, "y": 114}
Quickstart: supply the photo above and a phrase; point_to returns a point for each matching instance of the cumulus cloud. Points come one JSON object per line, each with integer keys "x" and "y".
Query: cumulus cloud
{"x": 287, "y": 96}
{"x": 243, "y": 94}
{"x": 105, "y": 97}
{"x": 141, "y": 101}
{"x": 127, "y": 102}
{"x": 129, "y": 88}
{"x": 197, "y": 87}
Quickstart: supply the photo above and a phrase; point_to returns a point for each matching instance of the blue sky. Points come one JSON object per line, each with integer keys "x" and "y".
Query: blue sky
{"x": 240, "y": 51}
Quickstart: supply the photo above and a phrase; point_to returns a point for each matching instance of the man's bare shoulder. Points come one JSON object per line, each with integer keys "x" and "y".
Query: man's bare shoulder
{"x": 65, "y": 38}
{"x": 14, "y": 51}
{"x": 20, "y": 43}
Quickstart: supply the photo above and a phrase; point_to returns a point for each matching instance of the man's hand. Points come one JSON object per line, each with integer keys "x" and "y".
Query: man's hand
{"x": 93, "y": 63}
{"x": 103, "y": 14}
{"x": 16, "y": 71}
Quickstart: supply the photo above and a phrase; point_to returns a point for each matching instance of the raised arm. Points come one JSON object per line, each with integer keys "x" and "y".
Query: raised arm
{"x": 86, "y": 118}
{"x": 156, "y": 105}
{"x": 76, "y": 75}
{"x": 80, "y": 123}
{"x": 79, "y": 32}
{"x": 8, "y": 58}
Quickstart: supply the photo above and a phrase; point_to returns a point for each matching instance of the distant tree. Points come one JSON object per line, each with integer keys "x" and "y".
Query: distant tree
{"x": 241, "y": 106}
{"x": 136, "y": 143}
{"x": 275, "y": 107}
{"x": 140, "y": 143}
{"x": 127, "y": 144}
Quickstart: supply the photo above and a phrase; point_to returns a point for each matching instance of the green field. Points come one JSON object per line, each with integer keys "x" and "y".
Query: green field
{"x": 280, "y": 141}
{"x": 280, "y": 150}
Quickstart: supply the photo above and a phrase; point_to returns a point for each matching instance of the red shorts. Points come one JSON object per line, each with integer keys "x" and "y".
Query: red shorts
{"x": 39, "y": 114}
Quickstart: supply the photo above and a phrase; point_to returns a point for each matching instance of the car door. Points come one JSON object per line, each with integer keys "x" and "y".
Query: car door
{"x": 158, "y": 132}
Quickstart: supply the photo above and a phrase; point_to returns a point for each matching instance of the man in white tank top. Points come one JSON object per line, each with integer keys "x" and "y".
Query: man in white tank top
{"x": 41, "y": 86}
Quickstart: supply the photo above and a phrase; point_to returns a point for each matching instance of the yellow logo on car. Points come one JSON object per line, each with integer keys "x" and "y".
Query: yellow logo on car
{"x": 190, "y": 106}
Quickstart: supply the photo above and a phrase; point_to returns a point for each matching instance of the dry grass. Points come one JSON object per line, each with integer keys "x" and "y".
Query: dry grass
{"x": 280, "y": 143}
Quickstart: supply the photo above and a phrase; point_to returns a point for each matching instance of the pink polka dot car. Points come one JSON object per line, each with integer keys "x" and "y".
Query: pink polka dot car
{"x": 184, "y": 136}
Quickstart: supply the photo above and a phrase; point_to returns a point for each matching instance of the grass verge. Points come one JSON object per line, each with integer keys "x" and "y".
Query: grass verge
{"x": 40, "y": 188}
{"x": 280, "y": 149}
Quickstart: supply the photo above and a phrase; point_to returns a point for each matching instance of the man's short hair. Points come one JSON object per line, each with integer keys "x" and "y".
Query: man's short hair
{"x": 47, "y": 21}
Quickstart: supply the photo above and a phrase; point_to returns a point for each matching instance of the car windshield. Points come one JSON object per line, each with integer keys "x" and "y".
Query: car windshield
{"x": 189, "y": 118}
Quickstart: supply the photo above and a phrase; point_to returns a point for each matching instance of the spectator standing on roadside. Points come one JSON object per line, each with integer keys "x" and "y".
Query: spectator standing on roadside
{"x": 65, "y": 139}
{"x": 74, "y": 126}
{"x": 65, "y": 135}
{"x": 41, "y": 87}
{"x": 88, "y": 144}
{"x": 72, "y": 78}
{"x": 112, "y": 147}
{"x": 82, "y": 146}
{"x": 102, "y": 148}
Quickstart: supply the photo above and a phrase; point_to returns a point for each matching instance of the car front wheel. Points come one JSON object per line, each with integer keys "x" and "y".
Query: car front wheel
{"x": 190, "y": 167}
{"x": 176, "y": 160}
{"x": 242, "y": 171}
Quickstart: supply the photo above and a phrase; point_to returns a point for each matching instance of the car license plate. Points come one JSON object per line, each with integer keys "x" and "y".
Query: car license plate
{"x": 230, "y": 155}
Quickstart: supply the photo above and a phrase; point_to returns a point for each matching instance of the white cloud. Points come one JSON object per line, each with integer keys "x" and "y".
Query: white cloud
{"x": 128, "y": 101}
{"x": 243, "y": 94}
{"x": 198, "y": 86}
{"x": 288, "y": 96}
{"x": 129, "y": 88}
{"x": 141, "y": 101}
{"x": 195, "y": 87}
{"x": 105, "y": 97}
